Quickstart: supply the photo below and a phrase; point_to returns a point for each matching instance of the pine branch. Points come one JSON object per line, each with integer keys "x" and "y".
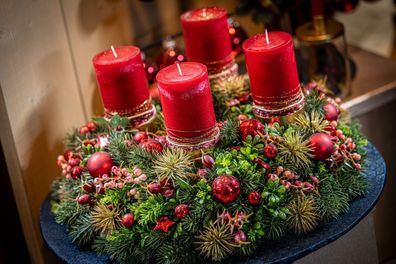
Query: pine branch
{"x": 229, "y": 134}
{"x": 82, "y": 231}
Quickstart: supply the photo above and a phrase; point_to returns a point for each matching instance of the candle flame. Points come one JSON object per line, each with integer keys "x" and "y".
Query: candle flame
{"x": 266, "y": 37}
{"x": 114, "y": 52}
{"x": 204, "y": 12}
{"x": 179, "y": 69}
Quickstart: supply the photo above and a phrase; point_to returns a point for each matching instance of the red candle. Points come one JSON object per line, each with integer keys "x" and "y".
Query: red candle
{"x": 123, "y": 85}
{"x": 273, "y": 74}
{"x": 186, "y": 101}
{"x": 206, "y": 37}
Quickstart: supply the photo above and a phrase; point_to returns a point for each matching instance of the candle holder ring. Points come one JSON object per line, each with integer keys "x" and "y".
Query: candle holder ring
{"x": 203, "y": 141}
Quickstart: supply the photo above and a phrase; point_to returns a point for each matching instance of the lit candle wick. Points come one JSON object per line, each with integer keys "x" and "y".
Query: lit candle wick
{"x": 266, "y": 37}
{"x": 114, "y": 52}
{"x": 179, "y": 69}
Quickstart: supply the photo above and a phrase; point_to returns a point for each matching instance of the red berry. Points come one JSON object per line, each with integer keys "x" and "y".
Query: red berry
{"x": 168, "y": 193}
{"x": 140, "y": 136}
{"x": 128, "y": 220}
{"x": 89, "y": 187}
{"x": 74, "y": 162}
{"x": 91, "y": 126}
{"x": 84, "y": 130}
{"x": 84, "y": 199}
{"x": 181, "y": 211}
{"x": 76, "y": 171}
{"x": 208, "y": 161}
{"x": 254, "y": 198}
{"x": 154, "y": 187}
{"x": 166, "y": 183}
{"x": 270, "y": 151}
{"x": 263, "y": 164}
{"x": 68, "y": 154}
{"x": 240, "y": 237}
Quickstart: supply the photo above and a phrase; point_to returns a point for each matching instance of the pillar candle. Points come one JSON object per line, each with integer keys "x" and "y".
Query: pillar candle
{"x": 186, "y": 101}
{"x": 206, "y": 37}
{"x": 123, "y": 84}
{"x": 272, "y": 70}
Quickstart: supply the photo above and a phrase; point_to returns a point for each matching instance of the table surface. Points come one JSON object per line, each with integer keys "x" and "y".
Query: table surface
{"x": 282, "y": 251}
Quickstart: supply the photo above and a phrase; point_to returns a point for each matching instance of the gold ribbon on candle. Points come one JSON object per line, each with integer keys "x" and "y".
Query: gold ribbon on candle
{"x": 286, "y": 104}
{"x": 139, "y": 115}
{"x": 208, "y": 138}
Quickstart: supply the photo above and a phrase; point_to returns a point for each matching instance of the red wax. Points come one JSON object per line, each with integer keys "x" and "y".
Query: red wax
{"x": 272, "y": 70}
{"x": 122, "y": 81}
{"x": 206, "y": 37}
{"x": 186, "y": 100}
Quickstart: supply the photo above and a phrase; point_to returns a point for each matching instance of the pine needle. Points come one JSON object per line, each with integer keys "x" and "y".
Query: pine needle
{"x": 310, "y": 122}
{"x": 173, "y": 163}
{"x": 294, "y": 151}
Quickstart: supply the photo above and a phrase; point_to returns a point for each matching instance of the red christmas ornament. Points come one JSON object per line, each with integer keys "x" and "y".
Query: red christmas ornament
{"x": 208, "y": 161}
{"x": 99, "y": 163}
{"x": 331, "y": 112}
{"x": 84, "y": 130}
{"x": 76, "y": 171}
{"x": 163, "y": 224}
{"x": 254, "y": 198}
{"x": 322, "y": 146}
{"x": 226, "y": 188}
{"x": 128, "y": 220}
{"x": 152, "y": 145}
{"x": 154, "y": 187}
{"x": 140, "y": 136}
{"x": 250, "y": 127}
{"x": 91, "y": 126}
{"x": 84, "y": 199}
{"x": 270, "y": 151}
{"x": 181, "y": 211}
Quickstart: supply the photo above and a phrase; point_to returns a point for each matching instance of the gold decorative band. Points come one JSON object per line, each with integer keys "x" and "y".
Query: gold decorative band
{"x": 205, "y": 140}
{"x": 139, "y": 116}
{"x": 279, "y": 108}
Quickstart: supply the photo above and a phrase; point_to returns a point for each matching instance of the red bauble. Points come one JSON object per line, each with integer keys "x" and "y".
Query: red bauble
{"x": 152, "y": 145}
{"x": 250, "y": 127}
{"x": 99, "y": 163}
{"x": 181, "y": 211}
{"x": 84, "y": 199}
{"x": 76, "y": 171}
{"x": 331, "y": 112}
{"x": 154, "y": 187}
{"x": 84, "y": 130}
{"x": 254, "y": 198}
{"x": 140, "y": 136}
{"x": 128, "y": 220}
{"x": 208, "y": 161}
{"x": 91, "y": 126}
{"x": 270, "y": 151}
{"x": 226, "y": 188}
{"x": 322, "y": 146}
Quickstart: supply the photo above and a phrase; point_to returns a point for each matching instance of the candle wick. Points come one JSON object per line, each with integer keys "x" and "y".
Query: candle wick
{"x": 179, "y": 69}
{"x": 114, "y": 52}
{"x": 266, "y": 37}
